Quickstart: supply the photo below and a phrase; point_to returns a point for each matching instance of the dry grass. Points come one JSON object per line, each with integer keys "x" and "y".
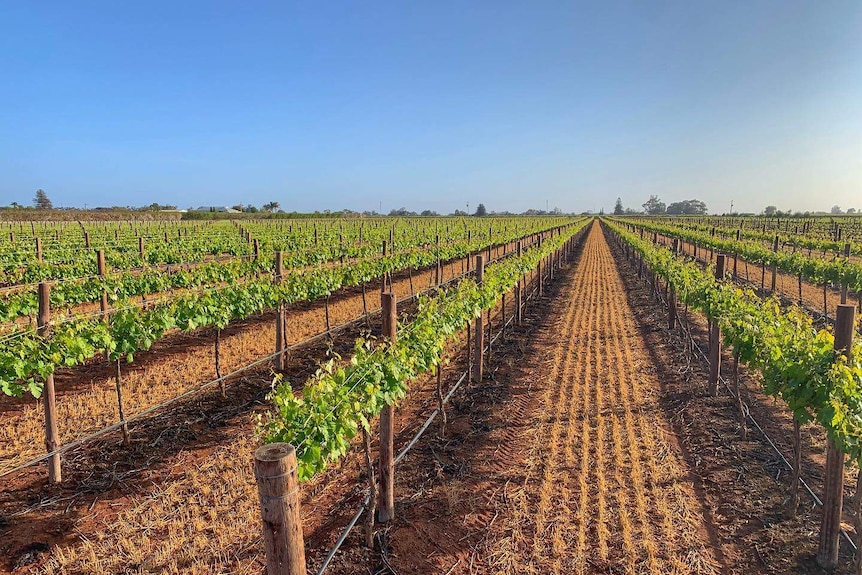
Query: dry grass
{"x": 204, "y": 520}
{"x": 204, "y": 517}
{"x": 605, "y": 491}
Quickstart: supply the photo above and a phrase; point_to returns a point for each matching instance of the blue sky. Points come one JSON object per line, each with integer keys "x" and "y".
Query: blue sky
{"x": 432, "y": 105}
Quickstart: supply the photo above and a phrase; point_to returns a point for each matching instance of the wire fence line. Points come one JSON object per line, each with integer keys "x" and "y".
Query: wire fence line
{"x": 249, "y": 367}
{"x": 695, "y": 345}
{"x": 410, "y": 444}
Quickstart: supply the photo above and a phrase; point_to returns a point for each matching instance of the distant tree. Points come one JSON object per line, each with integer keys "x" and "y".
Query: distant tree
{"x": 41, "y": 200}
{"x": 849, "y": 210}
{"x": 688, "y": 207}
{"x": 769, "y": 211}
{"x": 238, "y": 207}
{"x": 271, "y": 206}
{"x": 481, "y": 211}
{"x": 631, "y": 211}
{"x": 618, "y": 208}
{"x": 155, "y": 206}
{"x": 654, "y": 206}
{"x": 428, "y": 213}
{"x": 460, "y": 213}
{"x": 250, "y": 209}
{"x": 836, "y": 210}
{"x": 15, "y": 205}
{"x": 602, "y": 211}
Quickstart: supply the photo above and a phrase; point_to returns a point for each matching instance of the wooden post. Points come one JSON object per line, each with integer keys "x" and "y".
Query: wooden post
{"x": 774, "y": 266}
{"x": 279, "y": 316}
{"x": 100, "y": 268}
{"x": 39, "y": 250}
{"x": 278, "y": 489}
{"x": 49, "y": 400}
{"x": 438, "y": 272}
{"x": 715, "y": 336}
{"x": 833, "y": 474}
{"x": 141, "y": 251}
{"x": 478, "y": 329}
{"x": 386, "y": 494}
{"x": 256, "y": 249}
{"x": 844, "y": 287}
{"x": 541, "y": 282}
{"x": 383, "y": 284}
{"x": 671, "y": 298}
{"x": 519, "y": 296}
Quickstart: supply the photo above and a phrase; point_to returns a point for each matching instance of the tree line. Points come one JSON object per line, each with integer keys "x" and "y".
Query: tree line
{"x": 654, "y": 206}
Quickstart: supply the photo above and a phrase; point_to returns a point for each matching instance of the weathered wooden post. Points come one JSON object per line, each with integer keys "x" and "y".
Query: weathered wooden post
{"x": 141, "y": 251}
{"x": 256, "y": 246}
{"x": 844, "y": 287}
{"x": 49, "y": 400}
{"x": 386, "y": 495}
{"x": 279, "y": 316}
{"x": 671, "y": 298}
{"x": 278, "y": 490}
{"x": 102, "y": 271}
{"x": 383, "y": 251}
{"x": 39, "y": 250}
{"x": 833, "y": 474}
{"x": 519, "y": 317}
{"x": 715, "y": 336}
{"x": 541, "y": 281}
{"x": 774, "y": 266}
{"x": 479, "y": 329}
{"x": 438, "y": 270}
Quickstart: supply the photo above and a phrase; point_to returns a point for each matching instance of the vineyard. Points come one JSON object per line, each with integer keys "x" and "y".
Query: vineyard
{"x": 431, "y": 395}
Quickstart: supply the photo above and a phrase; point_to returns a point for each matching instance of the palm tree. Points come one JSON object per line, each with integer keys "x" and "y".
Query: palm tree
{"x": 271, "y": 206}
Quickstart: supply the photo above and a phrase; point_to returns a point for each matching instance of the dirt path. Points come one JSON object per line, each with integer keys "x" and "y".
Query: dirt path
{"x": 571, "y": 466}
{"x": 606, "y": 490}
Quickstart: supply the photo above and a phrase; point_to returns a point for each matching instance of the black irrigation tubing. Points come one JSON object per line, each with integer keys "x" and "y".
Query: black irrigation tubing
{"x": 106, "y": 430}
{"x": 784, "y": 298}
{"x": 63, "y": 319}
{"x": 762, "y": 431}
{"x": 364, "y": 505}
{"x": 365, "y": 502}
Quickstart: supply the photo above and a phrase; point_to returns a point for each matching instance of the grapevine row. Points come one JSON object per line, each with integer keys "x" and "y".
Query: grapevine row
{"x": 27, "y": 359}
{"x": 339, "y": 400}
{"x": 25, "y": 302}
{"x": 788, "y": 238}
{"x": 819, "y": 271}
{"x": 796, "y": 361}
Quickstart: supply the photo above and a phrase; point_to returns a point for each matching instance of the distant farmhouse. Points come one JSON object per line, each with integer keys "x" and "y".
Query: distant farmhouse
{"x": 217, "y": 209}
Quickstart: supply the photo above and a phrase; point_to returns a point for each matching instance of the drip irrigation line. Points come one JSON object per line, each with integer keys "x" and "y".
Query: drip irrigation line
{"x": 308, "y": 341}
{"x": 364, "y": 505}
{"x": 762, "y": 431}
{"x": 67, "y": 318}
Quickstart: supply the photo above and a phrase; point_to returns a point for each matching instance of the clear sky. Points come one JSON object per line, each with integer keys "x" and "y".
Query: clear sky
{"x": 430, "y": 105}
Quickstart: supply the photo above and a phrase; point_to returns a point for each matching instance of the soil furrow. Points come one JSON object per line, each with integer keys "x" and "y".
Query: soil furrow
{"x": 603, "y": 444}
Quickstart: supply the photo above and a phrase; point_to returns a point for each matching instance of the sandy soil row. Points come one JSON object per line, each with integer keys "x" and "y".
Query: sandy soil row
{"x": 605, "y": 491}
